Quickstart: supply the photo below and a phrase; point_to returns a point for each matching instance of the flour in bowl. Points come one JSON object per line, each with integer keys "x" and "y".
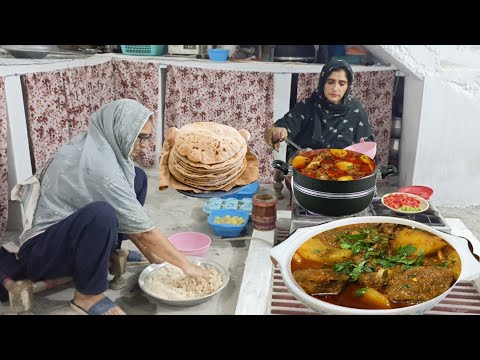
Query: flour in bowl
{"x": 169, "y": 282}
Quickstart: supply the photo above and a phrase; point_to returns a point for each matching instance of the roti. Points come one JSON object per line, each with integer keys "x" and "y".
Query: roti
{"x": 209, "y": 142}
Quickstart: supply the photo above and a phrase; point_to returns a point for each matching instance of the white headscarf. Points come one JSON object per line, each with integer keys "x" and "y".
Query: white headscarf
{"x": 93, "y": 166}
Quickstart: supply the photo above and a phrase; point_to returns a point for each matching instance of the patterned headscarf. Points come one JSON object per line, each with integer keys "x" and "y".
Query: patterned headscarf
{"x": 346, "y": 100}
{"x": 318, "y": 123}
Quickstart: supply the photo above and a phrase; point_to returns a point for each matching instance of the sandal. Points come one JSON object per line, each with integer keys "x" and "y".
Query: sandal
{"x": 101, "y": 307}
{"x": 136, "y": 258}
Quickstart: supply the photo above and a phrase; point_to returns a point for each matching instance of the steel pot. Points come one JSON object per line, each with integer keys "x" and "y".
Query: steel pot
{"x": 334, "y": 198}
{"x": 282, "y": 255}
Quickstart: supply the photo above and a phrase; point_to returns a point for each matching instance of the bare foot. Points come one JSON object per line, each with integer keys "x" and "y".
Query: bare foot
{"x": 86, "y": 302}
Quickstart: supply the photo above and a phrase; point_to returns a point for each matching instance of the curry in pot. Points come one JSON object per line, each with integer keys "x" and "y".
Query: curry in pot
{"x": 375, "y": 266}
{"x": 333, "y": 164}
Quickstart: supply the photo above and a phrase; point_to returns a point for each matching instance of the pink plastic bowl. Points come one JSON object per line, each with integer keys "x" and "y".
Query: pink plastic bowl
{"x": 191, "y": 243}
{"x": 368, "y": 148}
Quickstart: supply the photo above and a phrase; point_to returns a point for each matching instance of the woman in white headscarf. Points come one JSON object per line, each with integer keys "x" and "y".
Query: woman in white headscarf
{"x": 85, "y": 201}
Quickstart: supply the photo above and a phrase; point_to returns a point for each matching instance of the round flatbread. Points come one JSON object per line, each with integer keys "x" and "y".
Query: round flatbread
{"x": 209, "y": 142}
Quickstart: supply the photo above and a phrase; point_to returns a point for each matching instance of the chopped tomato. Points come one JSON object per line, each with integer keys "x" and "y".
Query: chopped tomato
{"x": 396, "y": 201}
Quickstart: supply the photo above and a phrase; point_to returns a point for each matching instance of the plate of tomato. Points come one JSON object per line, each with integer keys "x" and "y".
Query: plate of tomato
{"x": 405, "y": 203}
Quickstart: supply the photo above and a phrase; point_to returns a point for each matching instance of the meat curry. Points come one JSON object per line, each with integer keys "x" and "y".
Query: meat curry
{"x": 375, "y": 266}
{"x": 333, "y": 164}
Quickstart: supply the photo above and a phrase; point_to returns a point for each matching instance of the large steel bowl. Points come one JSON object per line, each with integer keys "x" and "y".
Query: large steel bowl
{"x": 184, "y": 302}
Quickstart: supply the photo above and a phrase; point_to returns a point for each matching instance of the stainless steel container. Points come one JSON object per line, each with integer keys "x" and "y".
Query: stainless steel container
{"x": 110, "y": 48}
{"x": 396, "y": 127}
{"x": 394, "y": 148}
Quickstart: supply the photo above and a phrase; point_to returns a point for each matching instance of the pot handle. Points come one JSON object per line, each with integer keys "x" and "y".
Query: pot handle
{"x": 279, "y": 253}
{"x": 388, "y": 171}
{"x": 280, "y": 165}
{"x": 471, "y": 260}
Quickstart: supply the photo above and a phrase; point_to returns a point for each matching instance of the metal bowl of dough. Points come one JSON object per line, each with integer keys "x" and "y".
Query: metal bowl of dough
{"x": 148, "y": 271}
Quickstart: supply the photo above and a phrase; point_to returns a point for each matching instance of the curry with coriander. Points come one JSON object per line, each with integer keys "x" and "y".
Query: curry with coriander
{"x": 375, "y": 266}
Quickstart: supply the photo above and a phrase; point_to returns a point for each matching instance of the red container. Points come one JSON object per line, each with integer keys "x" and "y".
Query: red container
{"x": 423, "y": 191}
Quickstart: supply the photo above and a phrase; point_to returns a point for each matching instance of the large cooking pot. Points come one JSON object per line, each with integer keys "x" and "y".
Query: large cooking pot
{"x": 282, "y": 255}
{"x": 334, "y": 198}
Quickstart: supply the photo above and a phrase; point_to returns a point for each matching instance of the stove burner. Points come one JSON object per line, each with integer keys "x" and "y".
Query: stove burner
{"x": 302, "y": 213}
{"x": 429, "y": 217}
{"x": 302, "y": 217}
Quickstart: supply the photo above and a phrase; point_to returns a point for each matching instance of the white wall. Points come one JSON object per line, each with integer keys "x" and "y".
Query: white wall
{"x": 441, "y": 124}
{"x": 448, "y": 153}
{"x": 412, "y": 110}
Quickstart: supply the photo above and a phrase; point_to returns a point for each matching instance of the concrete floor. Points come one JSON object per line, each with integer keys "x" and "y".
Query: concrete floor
{"x": 174, "y": 212}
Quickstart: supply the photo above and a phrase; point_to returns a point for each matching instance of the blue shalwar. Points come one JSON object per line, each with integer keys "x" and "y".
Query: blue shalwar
{"x": 78, "y": 246}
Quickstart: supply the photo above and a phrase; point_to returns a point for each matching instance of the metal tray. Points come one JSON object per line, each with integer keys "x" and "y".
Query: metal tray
{"x": 185, "y": 302}
{"x": 41, "y": 51}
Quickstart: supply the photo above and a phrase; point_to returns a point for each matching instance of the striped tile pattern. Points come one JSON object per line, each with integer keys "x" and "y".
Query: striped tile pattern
{"x": 464, "y": 299}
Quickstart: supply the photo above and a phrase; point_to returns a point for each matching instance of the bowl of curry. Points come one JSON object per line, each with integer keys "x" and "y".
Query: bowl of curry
{"x": 373, "y": 265}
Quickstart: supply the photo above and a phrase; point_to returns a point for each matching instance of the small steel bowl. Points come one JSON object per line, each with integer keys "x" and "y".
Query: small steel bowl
{"x": 184, "y": 302}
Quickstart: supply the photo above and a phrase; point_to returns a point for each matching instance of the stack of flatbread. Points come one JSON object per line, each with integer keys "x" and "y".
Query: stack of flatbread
{"x": 208, "y": 155}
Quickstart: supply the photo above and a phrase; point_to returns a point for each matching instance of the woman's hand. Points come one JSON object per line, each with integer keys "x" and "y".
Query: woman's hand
{"x": 245, "y": 134}
{"x": 195, "y": 271}
{"x": 274, "y": 136}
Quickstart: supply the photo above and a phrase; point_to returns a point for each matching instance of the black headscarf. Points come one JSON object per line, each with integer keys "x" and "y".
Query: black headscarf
{"x": 318, "y": 123}
{"x": 346, "y": 100}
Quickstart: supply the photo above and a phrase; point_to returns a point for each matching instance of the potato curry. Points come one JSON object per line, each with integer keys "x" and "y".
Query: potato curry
{"x": 333, "y": 164}
{"x": 375, "y": 266}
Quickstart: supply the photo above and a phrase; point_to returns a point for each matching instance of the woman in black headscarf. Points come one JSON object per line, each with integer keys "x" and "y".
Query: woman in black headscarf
{"x": 329, "y": 118}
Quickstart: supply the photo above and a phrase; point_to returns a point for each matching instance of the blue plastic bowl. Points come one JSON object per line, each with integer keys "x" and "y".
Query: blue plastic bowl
{"x": 218, "y": 54}
{"x": 228, "y": 230}
{"x": 247, "y": 192}
{"x": 212, "y": 204}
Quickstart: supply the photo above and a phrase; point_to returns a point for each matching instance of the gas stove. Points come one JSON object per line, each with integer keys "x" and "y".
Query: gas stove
{"x": 303, "y": 218}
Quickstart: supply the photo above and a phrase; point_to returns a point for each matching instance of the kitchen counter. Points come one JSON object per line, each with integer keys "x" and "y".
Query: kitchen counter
{"x": 13, "y": 66}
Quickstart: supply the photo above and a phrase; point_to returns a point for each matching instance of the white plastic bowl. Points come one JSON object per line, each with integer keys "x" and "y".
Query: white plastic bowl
{"x": 283, "y": 253}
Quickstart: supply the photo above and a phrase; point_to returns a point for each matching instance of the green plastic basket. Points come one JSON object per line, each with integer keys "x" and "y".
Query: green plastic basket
{"x": 144, "y": 50}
